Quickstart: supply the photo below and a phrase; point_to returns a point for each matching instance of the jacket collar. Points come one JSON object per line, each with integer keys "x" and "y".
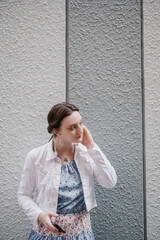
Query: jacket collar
{"x": 80, "y": 148}
{"x": 53, "y": 154}
{"x": 49, "y": 151}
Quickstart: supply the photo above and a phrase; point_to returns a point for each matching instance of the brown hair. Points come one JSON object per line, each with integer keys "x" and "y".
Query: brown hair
{"x": 57, "y": 113}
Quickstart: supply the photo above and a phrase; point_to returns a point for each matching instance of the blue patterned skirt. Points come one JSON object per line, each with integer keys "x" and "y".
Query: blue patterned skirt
{"x": 83, "y": 236}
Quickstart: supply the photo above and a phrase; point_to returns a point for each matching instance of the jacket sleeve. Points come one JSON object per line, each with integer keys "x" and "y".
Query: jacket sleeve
{"x": 102, "y": 169}
{"x": 26, "y": 189}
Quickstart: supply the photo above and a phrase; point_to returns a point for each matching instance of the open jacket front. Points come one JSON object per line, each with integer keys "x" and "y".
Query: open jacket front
{"x": 42, "y": 170}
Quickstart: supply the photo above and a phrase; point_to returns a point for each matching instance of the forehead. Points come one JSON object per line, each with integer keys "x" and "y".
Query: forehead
{"x": 74, "y": 118}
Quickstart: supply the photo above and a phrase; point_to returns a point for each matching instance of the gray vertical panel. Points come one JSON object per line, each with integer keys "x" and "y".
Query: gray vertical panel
{"x": 152, "y": 115}
{"x": 105, "y": 82}
{"x": 32, "y": 79}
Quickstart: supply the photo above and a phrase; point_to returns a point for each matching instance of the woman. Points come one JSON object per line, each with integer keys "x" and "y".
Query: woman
{"x": 62, "y": 173}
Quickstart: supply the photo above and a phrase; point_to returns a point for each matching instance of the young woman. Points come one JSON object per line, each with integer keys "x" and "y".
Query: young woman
{"x": 62, "y": 172}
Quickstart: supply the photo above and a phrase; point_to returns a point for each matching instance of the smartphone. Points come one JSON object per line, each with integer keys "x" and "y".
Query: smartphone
{"x": 58, "y": 227}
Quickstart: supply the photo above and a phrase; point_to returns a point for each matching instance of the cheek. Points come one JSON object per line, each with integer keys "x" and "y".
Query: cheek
{"x": 73, "y": 133}
{"x": 69, "y": 134}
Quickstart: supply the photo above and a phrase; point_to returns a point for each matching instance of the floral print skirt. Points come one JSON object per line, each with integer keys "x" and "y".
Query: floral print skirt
{"x": 77, "y": 226}
{"x": 83, "y": 236}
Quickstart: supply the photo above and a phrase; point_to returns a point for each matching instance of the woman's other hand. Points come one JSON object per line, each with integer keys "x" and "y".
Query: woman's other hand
{"x": 87, "y": 138}
{"x": 45, "y": 219}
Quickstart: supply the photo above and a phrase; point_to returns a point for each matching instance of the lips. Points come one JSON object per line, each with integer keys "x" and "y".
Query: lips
{"x": 80, "y": 136}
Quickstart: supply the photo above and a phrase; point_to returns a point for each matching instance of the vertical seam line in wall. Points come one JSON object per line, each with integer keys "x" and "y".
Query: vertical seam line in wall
{"x": 143, "y": 124}
{"x": 67, "y": 50}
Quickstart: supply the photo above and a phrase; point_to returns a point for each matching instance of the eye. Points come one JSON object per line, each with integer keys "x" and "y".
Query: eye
{"x": 73, "y": 127}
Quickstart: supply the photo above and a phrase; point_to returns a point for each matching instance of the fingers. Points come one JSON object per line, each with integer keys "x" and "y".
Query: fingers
{"x": 45, "y": 218}
{"x": 50, "y": 225}
{"x": 51, "y": 214}
{"x": 51, "y": 228}
{"x": 85, "y": 130}
{"x": 87, "y": 138}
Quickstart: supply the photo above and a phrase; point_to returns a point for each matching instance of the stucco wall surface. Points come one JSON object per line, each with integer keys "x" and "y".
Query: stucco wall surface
{"x": 32, "y": 78}
{"x": 105, "y": 82}
{"x": 152, "y": 114}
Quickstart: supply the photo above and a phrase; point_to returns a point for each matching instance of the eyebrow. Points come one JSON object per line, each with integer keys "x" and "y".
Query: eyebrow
{"x": 74, "y": 123}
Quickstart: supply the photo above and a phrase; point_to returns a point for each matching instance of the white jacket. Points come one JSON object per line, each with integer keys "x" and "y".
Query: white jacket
{"x": 42, "y": 171}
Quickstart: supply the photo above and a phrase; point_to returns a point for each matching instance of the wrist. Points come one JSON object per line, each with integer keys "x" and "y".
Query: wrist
{"x": 90, "y": 146}
{"x": 40, "y": 215}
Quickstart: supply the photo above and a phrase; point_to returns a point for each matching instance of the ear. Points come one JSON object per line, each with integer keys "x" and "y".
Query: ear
{"x": 55, "y": 131}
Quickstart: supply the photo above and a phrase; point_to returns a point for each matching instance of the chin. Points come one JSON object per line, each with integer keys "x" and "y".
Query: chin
{"x": 79, "y": 140}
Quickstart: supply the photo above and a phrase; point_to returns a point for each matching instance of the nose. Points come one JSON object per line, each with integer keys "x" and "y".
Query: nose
{"x": 80, "y": 129}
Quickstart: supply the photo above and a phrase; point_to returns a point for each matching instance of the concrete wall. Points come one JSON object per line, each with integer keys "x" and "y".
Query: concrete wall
{"x": 152, "y": 114}
{"x": 32, "y": 43}
{"x": 105, "y": 82}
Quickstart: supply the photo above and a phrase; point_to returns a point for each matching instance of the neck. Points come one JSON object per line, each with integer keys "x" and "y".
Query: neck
{"x": 67, "y": 148}
{"x": 65, "y": 152}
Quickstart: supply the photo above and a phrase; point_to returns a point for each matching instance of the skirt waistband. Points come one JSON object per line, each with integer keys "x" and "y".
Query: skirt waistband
{"x": 72, "y": 224}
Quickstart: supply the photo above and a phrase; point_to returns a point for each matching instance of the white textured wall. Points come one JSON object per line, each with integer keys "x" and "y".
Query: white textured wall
{"x": 152, "y": 113}
{"x": 32, "y": 77}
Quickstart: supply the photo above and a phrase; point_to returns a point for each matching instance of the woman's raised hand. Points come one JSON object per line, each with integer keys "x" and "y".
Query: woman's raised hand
{"x": 45, "y": 219}
{"x": 87, "y": 138}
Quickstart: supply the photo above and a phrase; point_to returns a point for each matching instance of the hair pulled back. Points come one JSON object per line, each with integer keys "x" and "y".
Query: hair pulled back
{"x": 57, "y": 113}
